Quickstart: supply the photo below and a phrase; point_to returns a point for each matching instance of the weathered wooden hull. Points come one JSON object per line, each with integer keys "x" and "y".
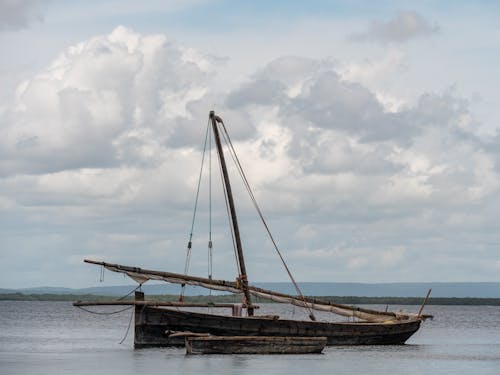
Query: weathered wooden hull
{"x": 152, "y": 323}
{"x": 254, "y": 345}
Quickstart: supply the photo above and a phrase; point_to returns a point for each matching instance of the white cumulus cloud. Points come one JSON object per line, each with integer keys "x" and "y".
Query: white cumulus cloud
{"x": 110, "y": 100}
{"x": 100, "y": 154}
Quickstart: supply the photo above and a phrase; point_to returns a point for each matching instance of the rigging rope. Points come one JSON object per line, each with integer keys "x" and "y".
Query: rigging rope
{"x": 112, "y": 313}
{"x": 129, "y": 293}
{"x": 118, "y": 299}
{"x": 128, "y": 327}
{"x": 104, "y": 313}
{"x": 190, "y": 243}
{"x": 236, "y": 160}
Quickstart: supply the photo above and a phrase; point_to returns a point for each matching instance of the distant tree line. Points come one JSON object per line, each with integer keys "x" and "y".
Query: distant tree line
{"x": 235, "y": 298}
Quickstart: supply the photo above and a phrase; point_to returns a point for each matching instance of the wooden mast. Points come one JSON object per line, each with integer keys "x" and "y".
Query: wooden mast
{"x": 234, "y": 220}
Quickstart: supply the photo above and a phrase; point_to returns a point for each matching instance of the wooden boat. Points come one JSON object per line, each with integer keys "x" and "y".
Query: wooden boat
{"x": 365, "y": 326}
{"x": 254, "y": 345}
{"x": 152, "y": 322}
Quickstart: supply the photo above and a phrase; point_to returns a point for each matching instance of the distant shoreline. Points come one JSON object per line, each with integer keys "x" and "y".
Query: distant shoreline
{"x": 354, "y": 300}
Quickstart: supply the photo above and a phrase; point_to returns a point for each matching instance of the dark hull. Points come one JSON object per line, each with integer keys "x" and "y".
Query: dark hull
{"x": 254, "y": 345}
{"x": 151, "y": 323}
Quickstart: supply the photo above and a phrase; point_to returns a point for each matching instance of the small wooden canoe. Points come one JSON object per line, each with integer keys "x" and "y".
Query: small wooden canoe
{"x": 254, "y": 345}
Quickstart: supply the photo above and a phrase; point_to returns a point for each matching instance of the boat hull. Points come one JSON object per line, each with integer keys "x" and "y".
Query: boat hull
{"x": 152, "y": 325}
{"x": 254, "y": 345}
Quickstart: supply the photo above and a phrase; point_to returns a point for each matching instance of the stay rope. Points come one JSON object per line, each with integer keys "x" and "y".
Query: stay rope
{"x": 129, "y": 293}
{"x": 236, "y": 160}
{"x": 190, "y": 243}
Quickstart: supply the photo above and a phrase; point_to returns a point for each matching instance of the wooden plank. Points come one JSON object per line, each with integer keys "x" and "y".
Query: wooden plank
{"x": 423, "y": 303}
{"x": 153, "y": 303}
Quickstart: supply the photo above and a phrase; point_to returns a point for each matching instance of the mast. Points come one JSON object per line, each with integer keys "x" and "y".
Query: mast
{"x": 234, "y": 221}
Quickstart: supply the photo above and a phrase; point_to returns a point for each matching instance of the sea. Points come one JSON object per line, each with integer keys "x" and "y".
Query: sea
{"x": 57, "y": 338}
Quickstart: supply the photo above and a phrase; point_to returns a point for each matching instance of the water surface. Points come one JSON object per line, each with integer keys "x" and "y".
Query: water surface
{"x": 56, "y": 338}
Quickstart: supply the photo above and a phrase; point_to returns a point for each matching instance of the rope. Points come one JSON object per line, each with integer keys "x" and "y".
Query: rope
{"x": 128, "y": 328}
{"x": 234, "y": 156}
{"x": 189, "y": 245}
{"x": 129, "y": 293}
{"x": 118, "y": 299}
{"x": 116, "y": 312}
{"x": 104, "y": 313}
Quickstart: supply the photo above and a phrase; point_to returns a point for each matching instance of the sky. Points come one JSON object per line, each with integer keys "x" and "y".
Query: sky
{"x": 369, "y": 132}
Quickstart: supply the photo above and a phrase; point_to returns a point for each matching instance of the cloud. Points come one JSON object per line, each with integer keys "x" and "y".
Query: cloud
{"x": 370, "y": 178}
{"x": 114, "y": 99}
{"x": 19, "y": 14}
{"x": 405, "y": 25}
{"x": 100, "y": 154}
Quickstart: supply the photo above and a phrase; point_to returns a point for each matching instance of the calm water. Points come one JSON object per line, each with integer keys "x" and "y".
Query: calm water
{"x": 56, "y": 338}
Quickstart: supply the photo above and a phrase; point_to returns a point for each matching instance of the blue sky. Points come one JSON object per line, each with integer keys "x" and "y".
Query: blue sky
{"x": 368, "y": 129}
